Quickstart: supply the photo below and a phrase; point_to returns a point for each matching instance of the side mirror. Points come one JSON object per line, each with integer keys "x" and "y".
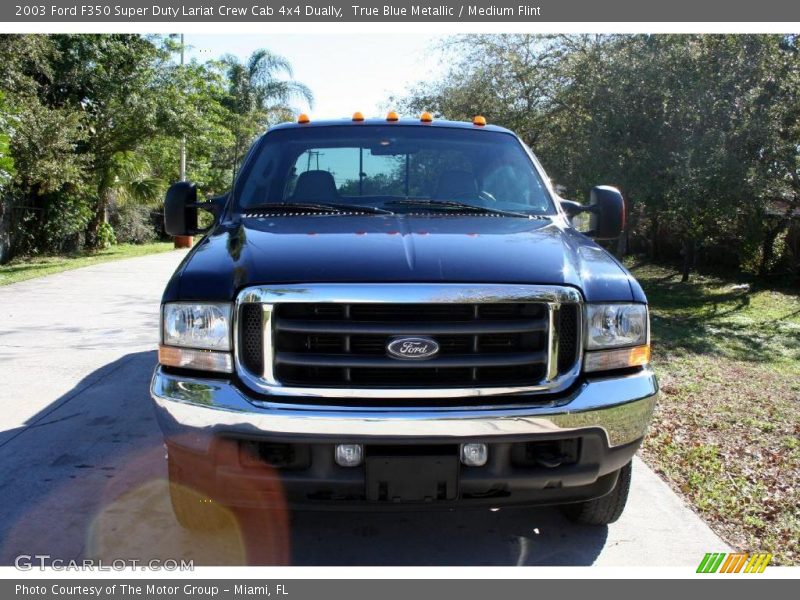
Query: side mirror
{"x": 571, "y": 207}
{"x": 607, "y": 209}
{"x": 180, "y": 209}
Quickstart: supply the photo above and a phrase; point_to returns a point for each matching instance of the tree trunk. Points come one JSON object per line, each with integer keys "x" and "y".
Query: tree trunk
{"x": 5, "y": 229}
{"x": 688, "y": 258}
{"x": 100, "y": 216}
{"x": 768, "y": 247}
{"x": 653, "y": 245}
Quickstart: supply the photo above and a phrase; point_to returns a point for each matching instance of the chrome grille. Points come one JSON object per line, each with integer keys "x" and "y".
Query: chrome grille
{"x": 345, "y": 344}
{"x": 492, "y": 339}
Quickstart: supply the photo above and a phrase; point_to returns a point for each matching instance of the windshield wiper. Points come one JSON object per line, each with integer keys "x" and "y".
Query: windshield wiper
{"x": 455, "y": 205}
{"x": 318, "y": 207}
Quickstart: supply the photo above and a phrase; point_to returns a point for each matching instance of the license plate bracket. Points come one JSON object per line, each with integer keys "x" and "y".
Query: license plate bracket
{"x": 412, "y": 478}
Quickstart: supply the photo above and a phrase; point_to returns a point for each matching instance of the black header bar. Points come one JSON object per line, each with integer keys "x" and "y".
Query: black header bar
{"x": 343, "y": 11}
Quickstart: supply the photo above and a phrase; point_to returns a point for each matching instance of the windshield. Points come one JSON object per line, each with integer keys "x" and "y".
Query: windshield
{"x": 388, "y": 166}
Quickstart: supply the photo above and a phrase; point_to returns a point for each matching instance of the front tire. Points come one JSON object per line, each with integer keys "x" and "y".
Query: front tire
{"x": 604, "y": 510}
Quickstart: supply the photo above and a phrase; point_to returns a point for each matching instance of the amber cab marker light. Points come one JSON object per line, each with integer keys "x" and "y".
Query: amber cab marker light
{"x": 357, "y": 116}
{"x": 303, "y": 119}
{"x": 426, "y": 117}
{"x": 479, "y": 121}
{"x": 392, "y": 116}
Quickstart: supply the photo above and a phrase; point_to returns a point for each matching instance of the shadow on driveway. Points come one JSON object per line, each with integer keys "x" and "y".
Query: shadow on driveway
{"x": 86, "y": 478}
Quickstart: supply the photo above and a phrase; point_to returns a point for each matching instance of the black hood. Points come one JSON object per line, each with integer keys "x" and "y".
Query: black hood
{"x": 358, "y": 249}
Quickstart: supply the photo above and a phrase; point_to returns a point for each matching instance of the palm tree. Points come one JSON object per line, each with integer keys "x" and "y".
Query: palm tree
{"x": 259, "y": 95}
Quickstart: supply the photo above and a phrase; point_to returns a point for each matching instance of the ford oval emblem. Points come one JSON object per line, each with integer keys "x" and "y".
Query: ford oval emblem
{"x": 413, "y": 348}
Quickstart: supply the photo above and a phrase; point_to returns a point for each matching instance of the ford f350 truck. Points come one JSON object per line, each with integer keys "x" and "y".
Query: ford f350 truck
{"x": 400, "y": 313}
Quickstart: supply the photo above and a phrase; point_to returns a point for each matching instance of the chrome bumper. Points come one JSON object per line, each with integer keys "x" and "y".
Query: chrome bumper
{"x": 191, "y": 411}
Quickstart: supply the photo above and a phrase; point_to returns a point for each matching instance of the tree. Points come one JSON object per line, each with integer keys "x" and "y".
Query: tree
{"x": 90, "y": 121}
{"x": 771, "y": 133}
{"x": 113, "y": 79}
{"x": 258, "y": 96}
{"x": 195, "y": 96}
{"x": 48, "y": 171}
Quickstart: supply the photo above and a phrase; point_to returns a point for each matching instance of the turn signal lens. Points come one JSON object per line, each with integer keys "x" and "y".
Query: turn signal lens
{"x": 303, "y": 119}
{"x": 190, "y": 358}
{"x": 426, "y": 117}
{"x": 479, "y": 121}
{"x": 357, "y": 116}
{"x": 622, "y": 358}
{"x": 392, "y": 116}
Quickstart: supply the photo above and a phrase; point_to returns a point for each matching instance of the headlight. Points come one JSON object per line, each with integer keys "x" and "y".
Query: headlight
{"x": 617, "y": 337}
{"x": 203, "y": 326}
{"x": 615, "y": 325}
{"x": 196, "y": 336}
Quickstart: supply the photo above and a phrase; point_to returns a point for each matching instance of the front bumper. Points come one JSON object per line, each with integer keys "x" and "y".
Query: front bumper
{"x": 195, "y": 410}
{"x": 206, "y": 422}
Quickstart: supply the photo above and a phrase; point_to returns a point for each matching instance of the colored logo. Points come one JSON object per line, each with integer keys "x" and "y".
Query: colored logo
{"x": 413, "y": 348}
{"x": 737, "y": 562}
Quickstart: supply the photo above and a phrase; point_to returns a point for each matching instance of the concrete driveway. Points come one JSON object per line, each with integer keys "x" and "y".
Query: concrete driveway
{"x": 82, "y": 470}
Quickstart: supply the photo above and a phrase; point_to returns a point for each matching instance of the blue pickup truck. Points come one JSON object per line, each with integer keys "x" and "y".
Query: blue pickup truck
{"x": 400, "y": 313}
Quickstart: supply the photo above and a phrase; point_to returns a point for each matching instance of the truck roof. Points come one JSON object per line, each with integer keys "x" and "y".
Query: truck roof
{"x": 400, "y": 122}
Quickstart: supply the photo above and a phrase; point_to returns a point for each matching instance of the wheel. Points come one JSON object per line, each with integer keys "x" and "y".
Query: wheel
{"x": 604, "y": 510}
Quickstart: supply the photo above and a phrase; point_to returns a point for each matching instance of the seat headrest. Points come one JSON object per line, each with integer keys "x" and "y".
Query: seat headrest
{"x": 315, "y": 185}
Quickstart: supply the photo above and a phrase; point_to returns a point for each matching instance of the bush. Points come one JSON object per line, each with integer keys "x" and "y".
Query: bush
{"x": 105, "y": 236}
{"x": 132, "y": 224}
{"x": 49, "y": 224}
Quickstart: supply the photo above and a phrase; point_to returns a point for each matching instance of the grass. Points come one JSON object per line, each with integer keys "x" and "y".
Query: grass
{"x": 726, "y": 433}
{"x": 31, "y": 267}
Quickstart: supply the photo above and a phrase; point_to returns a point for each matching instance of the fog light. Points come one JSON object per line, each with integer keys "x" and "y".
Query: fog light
{"x": 474, "y": 455}
{"x": 349, "y": 455}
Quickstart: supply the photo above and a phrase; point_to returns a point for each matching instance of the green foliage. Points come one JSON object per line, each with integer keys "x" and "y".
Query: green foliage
{"x": 257, "y": 96}
{"x": 105, "y": 236}
{"x": 6, "y": 130}
{"x": 90, "y": 123}
{"x": 132, "y": 223}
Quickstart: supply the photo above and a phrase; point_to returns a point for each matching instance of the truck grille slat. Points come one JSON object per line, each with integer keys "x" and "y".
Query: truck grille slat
{"x": 356, "y": 361}
{"x": 410, "y": 328}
